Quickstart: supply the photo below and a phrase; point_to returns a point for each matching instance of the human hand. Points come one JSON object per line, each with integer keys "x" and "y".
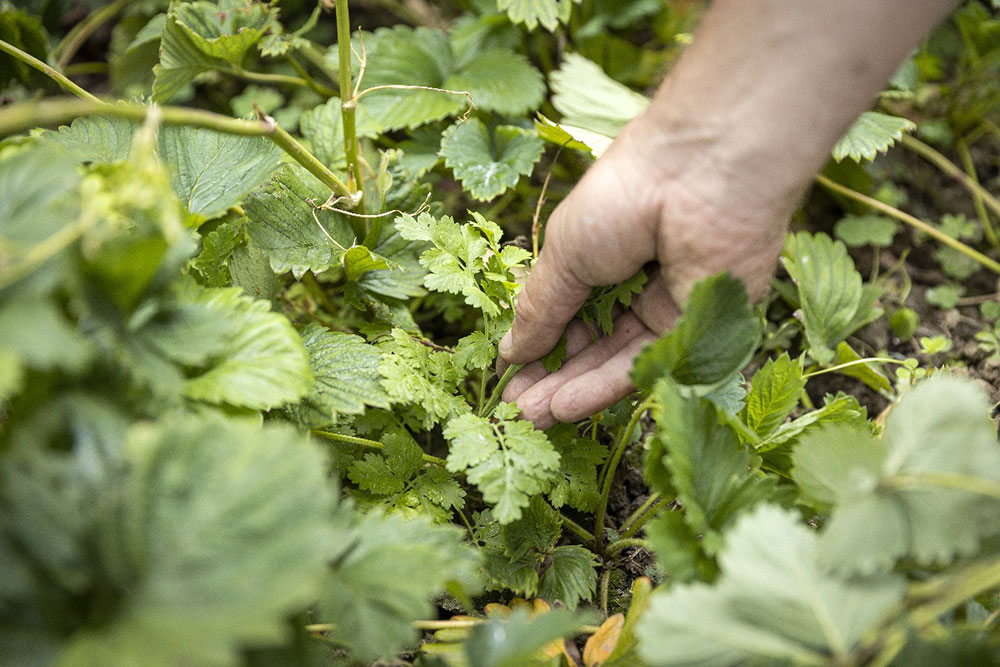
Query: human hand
{"x": 655, "y": 198}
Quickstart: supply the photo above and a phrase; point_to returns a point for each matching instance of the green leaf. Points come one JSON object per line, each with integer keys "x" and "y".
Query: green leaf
{"x": 713, "y": 339}
{"x": 834, "y": 302}
{"x": 579, "y": 458}
{"x": 25, "y": 32}
{"x": 602, "y": 301}
{"x": 403, "y": 56}
{"x": 888, "y": 502}
{"x": 866, "y": 372}
{"x": 592, "y": 101}
{"x": 475, "y": 351}
{"x": 200, "y": 36}
{"x": 211, "y": 171}
{"x": 36, "y": 334}
{"x": 774, "y": 392}
{"x": 516, "y": 640}
{"x": 772, "y": 604}
{"x": 286, "y": 223}
{"x": 862, "y": 230}
{"x": 840, "y": 408}
{"x": 871, "y": 134}
{"x": 944, "y": 296}
{"x": 426, "y": 379}
{"x": 713, "y": 477}
{"x": 389, "y": 473}
{"x": 532, "y": 12}
{"x": 384, "y": 578}
{"x": 37, "y": 199}
{"x": 488, "y": 165}
{"x": 345, "y": 376}
{"x": 263, "y": 366}
{"x": 96, "y": 139}
{"x": 508, "y": 461}
{"x": 323, "y": 127}
{"x": 500, "y": 80}
{"x": 456, "y": 260}
{"x": 205, "y": 507}
{"x": 570, "y": 577}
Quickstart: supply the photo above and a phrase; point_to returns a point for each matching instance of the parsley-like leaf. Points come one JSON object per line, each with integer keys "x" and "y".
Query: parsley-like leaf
{"x": 508, "y": 461}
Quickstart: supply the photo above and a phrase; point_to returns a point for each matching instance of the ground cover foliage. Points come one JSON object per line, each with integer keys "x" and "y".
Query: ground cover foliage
{"x": 250, "y": 302}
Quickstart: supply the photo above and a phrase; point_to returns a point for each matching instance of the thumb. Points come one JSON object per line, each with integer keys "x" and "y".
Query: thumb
{"x": 550, "y": 298}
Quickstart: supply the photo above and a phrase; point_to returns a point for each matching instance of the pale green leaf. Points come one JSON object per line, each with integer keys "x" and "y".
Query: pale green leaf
{"x": 508, "y": 461}
{"x": 772, "y": 604}
{"x": 426, "y": 379}
{"x": 37, "y": 335}
{"x": 889, "y": 498}
{"x": 840, "y": 408}
{"x": 774, "y": 392}
{"x": 500, "y": 80}
{"x": 834, "y": 302}
{"x": 285, "y": 222}
{"x": 384, "y": 579}
{"x": 388, "y": 473}
{"x": 867, "y": 372}
{"x": 862, "y": 230}
{"x": 345, "y": 375}
{"x": 211, "y": 171}
{"x": 250, "y": 269}
{"x": 871, "y": 134}
{"x": 713, "y": 339}
{"x": 475, "y": 351}
{"x": 570, "y": 577}
{"x": 548, "y": 13}
{"x": 205, "y": 507}
{"x": 96, "y": 139}
{"x": 263, "y": 366}
{"x": 487, "y": 166}
{"x": 592, "y": 101}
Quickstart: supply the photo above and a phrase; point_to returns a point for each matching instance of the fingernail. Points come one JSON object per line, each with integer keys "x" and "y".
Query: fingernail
{"x": 506, "y": 344}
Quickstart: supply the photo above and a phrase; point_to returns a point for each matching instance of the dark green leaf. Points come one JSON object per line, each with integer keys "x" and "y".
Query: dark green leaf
{"x": 488, "y": 165}
{"x": 713, "y": 339}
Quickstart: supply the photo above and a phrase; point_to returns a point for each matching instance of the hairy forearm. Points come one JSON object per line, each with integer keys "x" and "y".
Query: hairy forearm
{"x": 775, "y": 83}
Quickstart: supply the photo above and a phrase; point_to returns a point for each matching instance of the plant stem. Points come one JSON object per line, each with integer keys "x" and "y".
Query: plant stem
{"x": 914, "y": 222}
{"x": 970, "y": 170}
{"x": 495, "y": 397}
{"x": 348, "y": 101}
{"x": 946, "y": 480}
{"x": 271, "y": 78}
{"x": 574, "y": 527}
{"x": 625, "y": 543}
{"x": 950, "y": 168}
{"x": 609, "y": 470}
{"x": 951, "y": 589}
{"x": 641, "y": 516}
{"x": 294, "y": 149}
{"x": 832, "y": 369}
{"x": 311, "y": 82}
{"x": 48, "y": 70}
{"x": 365, "y": 442}
{"x": 78, "y": 35}
{"x": 25, "y": 115}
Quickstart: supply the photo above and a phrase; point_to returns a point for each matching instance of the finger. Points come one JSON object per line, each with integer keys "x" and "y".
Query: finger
{"x": 578, "y": 336}
{"x": 534, "y": 401}
{"x": 550, "y": 298}
{"x": 600, "y": 387}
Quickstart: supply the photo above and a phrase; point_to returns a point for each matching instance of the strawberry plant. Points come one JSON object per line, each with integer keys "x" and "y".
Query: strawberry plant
{"x": 254, "y": 271}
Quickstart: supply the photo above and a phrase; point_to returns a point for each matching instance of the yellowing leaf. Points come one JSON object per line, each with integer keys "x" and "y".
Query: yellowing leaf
{"x": 600, "y": 644}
